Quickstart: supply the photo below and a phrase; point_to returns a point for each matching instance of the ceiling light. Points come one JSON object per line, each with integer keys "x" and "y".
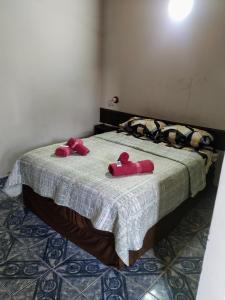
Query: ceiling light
{"x": 180, "y": 9}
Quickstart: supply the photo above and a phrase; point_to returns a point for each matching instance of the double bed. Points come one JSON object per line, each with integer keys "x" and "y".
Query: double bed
{"x": 114, "y": 219}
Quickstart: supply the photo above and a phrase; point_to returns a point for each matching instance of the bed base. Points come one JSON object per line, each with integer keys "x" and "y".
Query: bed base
{"x": 100, "y": 244}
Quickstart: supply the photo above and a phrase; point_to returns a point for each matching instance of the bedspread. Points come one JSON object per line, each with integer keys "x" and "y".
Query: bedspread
{"x": 126, "y": 206}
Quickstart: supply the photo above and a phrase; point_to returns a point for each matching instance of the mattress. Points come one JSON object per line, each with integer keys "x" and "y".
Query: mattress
{"x": 126, "y": 206}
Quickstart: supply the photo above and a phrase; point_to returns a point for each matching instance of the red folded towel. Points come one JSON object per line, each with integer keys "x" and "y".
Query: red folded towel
{"x": 81, "y": 149}
{"x": 130, "y": 168}
{"x": 77, "y": 145}
{"x": 63, "y": 151}
{"x": 123, "y": 158}
{"x": 72, "y": 145}
{"x": 72, "y": 142}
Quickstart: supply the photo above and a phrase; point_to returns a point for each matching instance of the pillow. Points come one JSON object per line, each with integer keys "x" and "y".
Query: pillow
{"x": 143, "y": 127}
{"x": 176, "y": 134}
{"x": 200, "y": 138}
{"x": 186, "y": 136}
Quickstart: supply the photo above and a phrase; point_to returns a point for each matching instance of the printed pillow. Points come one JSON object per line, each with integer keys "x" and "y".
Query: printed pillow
{"x": 126, "y": 126}
{"x": 143, "y": 127}
{"x": 200, "y": 138}
{"x": 176, "y": 134}
{"x": 186, "y": 136}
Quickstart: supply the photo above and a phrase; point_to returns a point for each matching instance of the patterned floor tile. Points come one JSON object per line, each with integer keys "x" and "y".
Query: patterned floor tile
{"x": 190, "y": 259}
{"x": 15, "y": 218}
{"x": 178, "y": 239}
{"x": 206, "y": 199}
{"x": 203, "y": 237}
{"x": 8, "y": 203}
{"x": 193, "y": 222}
{"x": 206, "y": 214}
{"x": 20, "y": 271}
{"x": 54, "y": 250}
{"x": 80, "y": 297}
{"x": 12, "y": 212}
{"x": 32, "y": 219}
{"x": 149, "y": 296}
{"x": 164, "y": 250}
{"x": 81, "y": 272}
{"x": 196, "y": 247}
{"x": 114, "y": 285}
{"x": 9, "y": 245}
{"x": 190, "y": 266}
{"x": 134, "y": 290}
{"x": 201, "y": 214}
{"x": 196, "y": 221}
{"x": 96, "y": 291}
{"x": 173, "y": 285}
{"x": 49, "y": 286}
{"x": 37, "y": 263}
{"x": 31, "y": 234}
{"x": 144, "y": 272}
{"x": 4, "y": 295}
{"x": 77, "y": 252}
{"x": 2, "y": 182}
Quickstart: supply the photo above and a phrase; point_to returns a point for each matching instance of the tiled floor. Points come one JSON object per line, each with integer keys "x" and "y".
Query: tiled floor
{"x": 37, "y": 263}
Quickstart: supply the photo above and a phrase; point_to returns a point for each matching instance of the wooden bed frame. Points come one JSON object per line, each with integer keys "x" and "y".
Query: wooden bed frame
{"x": 80, "y": 230}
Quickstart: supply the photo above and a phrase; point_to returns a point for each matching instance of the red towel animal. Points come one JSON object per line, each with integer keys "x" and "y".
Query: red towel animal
{"x": 63, "y": 151}
{"x": 81, "y": 149}
{"x": 77, "y": 145}
{"x": 72, "y": 145}
{"x": 126, "y": 167}
{"x": 123, "y": 158}
{"x": 72, "y": 142}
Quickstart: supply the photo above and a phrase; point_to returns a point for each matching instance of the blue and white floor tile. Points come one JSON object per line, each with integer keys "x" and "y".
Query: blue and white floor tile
{"x": 11, "y": 211}
{"x": 2, "y": 182}
{"x": 38, "y": 263}
{"x": 21, "y": 271}
{"x": 81, "y": 272}
{"x": 4, "y": 295}
{"x": 190, "y": 259}
{"x": 32, "y": 231}
{"x": 49, "y": 286}
{"x": 53, "y": 250}
{"x": 174, "y": 285}
{"x": 9, "y": 245}
{"x": 114, "y": 285}
{"x": 145, "y": 271}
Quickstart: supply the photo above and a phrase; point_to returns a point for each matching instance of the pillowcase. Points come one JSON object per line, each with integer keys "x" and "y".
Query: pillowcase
{"x": 140, "y": 127}
{"x": 176, "y": 134}
{"x": 200, "y": 138}
{"x": 186, "y": 136}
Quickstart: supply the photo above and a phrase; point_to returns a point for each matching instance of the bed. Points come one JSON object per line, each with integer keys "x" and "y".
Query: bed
{"x": 114, "y": 219}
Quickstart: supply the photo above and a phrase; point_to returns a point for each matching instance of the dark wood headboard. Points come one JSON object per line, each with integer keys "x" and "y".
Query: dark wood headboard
{"x": 114, "y": 117}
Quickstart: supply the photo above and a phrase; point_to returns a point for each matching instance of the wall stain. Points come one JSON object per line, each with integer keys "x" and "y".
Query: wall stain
{"x": 186, "y": 84}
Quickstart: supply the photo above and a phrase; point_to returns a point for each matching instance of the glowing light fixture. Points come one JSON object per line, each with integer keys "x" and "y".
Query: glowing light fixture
{"x": 180, "y": 9}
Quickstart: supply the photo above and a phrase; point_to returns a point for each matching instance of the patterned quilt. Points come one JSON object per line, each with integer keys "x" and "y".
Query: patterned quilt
{"x": 126, "y": 206}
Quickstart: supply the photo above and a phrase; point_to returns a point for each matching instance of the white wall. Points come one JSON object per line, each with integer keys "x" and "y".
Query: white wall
{"x": 49, "y": 73}
{"x": 212, "y": 281}
{"x": 164, "y": 69}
